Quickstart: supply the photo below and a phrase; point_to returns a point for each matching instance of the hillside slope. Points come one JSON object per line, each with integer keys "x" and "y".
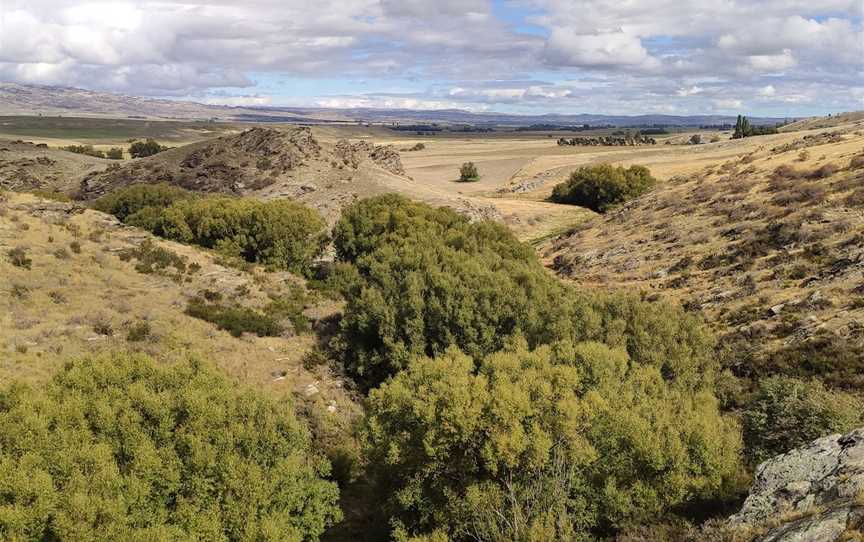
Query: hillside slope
{"x": 769, "y": 246}
{"x": 25, "y": 166}
{"x": 85, "y": 283}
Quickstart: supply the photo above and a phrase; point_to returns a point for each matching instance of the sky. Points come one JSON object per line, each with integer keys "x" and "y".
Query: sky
{"x": 781, "y": 58}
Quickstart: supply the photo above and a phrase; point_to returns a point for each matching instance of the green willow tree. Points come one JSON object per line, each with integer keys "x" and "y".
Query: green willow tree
{"x": 560, "y": 443}
{"x": 123, "y": 448}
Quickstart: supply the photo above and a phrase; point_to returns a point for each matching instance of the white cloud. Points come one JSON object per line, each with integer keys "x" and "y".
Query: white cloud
{"x": 566, "y": 47}
{"x": 728, "y": 105}
{"x": 239, "y": 101}
{"x": 605, "y": 55}
{"x": 773, "y": 63}
{"x": 689, "y": 91}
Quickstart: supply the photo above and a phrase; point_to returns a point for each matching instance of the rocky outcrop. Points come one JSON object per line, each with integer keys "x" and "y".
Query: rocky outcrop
{"x": 388, "y": 158}
{"x": 252, "y": 160}
{"x": 385, "y": 156}
{"x": 811, "y": 494}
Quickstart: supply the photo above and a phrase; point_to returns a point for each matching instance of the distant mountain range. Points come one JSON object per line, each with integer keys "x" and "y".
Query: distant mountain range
{"x": 18, "y": 99}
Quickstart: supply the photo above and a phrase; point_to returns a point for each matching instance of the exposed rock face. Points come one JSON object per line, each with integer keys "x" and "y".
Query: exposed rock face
{"x": 354, "y": 154}
{"x": 818, "y": 489}
{"x": 388, "y": 158}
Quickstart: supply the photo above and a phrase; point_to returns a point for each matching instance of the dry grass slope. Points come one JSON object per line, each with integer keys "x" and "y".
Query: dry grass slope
{"x": 770, "y": 246}
{"x": 76, "y": 291}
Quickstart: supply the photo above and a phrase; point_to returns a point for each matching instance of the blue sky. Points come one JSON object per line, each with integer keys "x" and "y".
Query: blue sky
{"x": 762, "y": 57}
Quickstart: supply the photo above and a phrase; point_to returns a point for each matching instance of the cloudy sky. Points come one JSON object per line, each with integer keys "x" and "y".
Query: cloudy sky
{"x": 763, "y": 57}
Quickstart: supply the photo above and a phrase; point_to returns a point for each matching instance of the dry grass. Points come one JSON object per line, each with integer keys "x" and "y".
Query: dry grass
{"x": 92, "y": 300}
{"x": 732, "y": 244}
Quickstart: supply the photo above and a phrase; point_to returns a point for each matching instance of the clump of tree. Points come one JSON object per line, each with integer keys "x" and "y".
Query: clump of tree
{"x": 279, "y": 233}
{"x": 87, "y": 150}
{"x": 468, "y": 172}
{"x": 505, "y": 405}
{"x": 600, "y": 187}
{"x": 148, "y": 147}
{"x": 418, "y": 280}
{"x": 114, "y": 153}
{"x": 124, "y": 448}
{"x": 136, "y": 198}
{"x": 558, "y": 443}
{"x": 743, "y": 129}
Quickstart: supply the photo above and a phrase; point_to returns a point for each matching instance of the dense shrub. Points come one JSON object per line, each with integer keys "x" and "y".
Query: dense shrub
{"x": 139, "y": 331}
{"x": 114, "y": 153}
{"x": 603, "y": 186}
{"x": 138, "y": 198}
{"x": 142, "y": 149}
{"x": 87, "y": 150}
{"x": 151, "y": 258}
{"x": 278, "y": 233}
{"x": 468, "y": 172}
{"x": 837, "y": 361}
{"x": 125, "y": 449}
{"x": 543, "y": 445}
{"x": 423, "y": 279}
{"x": 234, "y": 320}
{"x": 788, "y": 412}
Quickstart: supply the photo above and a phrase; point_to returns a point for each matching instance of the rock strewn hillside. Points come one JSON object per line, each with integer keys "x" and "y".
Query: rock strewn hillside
{"x": 264, "y": 162}
{"x": 27, "y": 166}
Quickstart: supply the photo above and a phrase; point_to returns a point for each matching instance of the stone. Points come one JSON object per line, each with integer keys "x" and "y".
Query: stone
{"x": 819, "y": 487}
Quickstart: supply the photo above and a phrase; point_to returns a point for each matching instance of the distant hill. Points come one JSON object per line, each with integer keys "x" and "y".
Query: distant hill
{"x": 18, "y": 99}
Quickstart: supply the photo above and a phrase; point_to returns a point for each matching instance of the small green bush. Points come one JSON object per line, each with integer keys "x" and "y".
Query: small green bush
{"x": 84, "y": 149}
{"x": 468, "y": 172}
{"x": 124, "y": 448}
{"x": 142, "y": 149}
{"x": 139, "y": 331}
{"x": 234, "y": 320}
{"x": 151, "y": 258}
{"x": 603, "y": 186}
{"x": 114, "y": 153}
{"x": 18, "y": 257}
{"x": 787, "y": 412}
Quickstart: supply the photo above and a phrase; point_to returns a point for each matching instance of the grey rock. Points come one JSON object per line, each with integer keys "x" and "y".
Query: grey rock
{"x": 819, "y": 487}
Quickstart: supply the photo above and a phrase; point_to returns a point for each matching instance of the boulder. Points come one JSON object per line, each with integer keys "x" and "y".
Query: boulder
{"x": 811, "y": 494}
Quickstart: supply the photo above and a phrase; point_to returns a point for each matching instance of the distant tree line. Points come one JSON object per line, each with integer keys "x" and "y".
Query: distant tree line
{"x": 137, "y": 149}
{"x": 743, "y": 129}
{"x": 114, "y": 153}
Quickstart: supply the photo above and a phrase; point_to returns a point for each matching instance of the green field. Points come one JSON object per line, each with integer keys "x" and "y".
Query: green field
{"x": 102, "y": 131}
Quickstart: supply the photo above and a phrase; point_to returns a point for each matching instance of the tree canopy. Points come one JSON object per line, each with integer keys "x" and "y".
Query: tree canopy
{"x": 544, "y": 445}
{"x": 122, "y": 448}
{"x": 600, "y": 187}
{"x": 279, "y": 233}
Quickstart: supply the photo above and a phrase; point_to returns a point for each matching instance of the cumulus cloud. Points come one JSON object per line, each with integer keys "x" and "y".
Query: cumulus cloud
{"x": 599, "y": 55}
